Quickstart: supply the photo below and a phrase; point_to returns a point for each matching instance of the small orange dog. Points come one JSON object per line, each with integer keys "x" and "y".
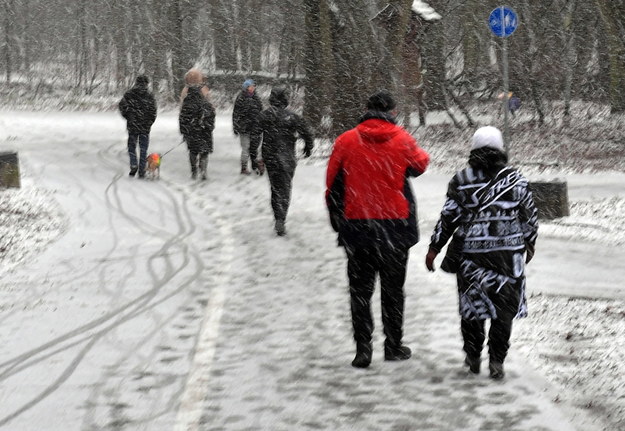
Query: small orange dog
{"x": 153, "y": 166}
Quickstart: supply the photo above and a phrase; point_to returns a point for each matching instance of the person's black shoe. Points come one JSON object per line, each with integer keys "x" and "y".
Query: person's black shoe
{"x": 496, "y": 370}
{"x": 280, "y": 228}
{"x": 141, "y": 174}
{"x": 473, "y": 364}
{"x": 400, "y": 353}
{"x": 133, "y": 171}
{"x": 363, "y": 356}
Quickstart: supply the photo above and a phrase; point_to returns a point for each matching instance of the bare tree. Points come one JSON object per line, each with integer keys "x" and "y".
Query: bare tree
{"x": 562, "y": 50}
{"x": 249, "y": 33}
{"x": 433, "y": 53}
{"x": 568, "y": 37}
{"x": 222, "y": 19}
{"x": 318, "y": 62}
{"x": 613, "y": 14}
{"x": 352, "y": 52}
{"x": 8, "y": 7}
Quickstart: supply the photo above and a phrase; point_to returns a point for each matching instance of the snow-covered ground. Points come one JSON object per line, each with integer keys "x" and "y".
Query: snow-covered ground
{"x": 129, "y": 304}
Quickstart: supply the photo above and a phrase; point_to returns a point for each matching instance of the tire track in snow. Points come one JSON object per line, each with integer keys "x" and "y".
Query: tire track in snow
{"x": 92, "y": 332}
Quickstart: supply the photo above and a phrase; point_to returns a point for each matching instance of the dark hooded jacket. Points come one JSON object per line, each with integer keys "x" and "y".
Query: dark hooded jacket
{"x": 245, "y": 113}
{"x": 368, "y": 195}
{"x": 138, "y": 107}
{"x": 280, "y": 128}
{"x": 197, "y": 121}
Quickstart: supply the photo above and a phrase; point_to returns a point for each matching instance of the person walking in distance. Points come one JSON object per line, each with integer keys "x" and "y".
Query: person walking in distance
{"x": 373, "y": 209}
{"x": 247, "y": 107}
{"x": 279, "y": 128}
{"x": 197, "y": 122}
{"x": 194, "y": 78}
{"x": 138, "y": 107}
{"x": 491, "y": 218}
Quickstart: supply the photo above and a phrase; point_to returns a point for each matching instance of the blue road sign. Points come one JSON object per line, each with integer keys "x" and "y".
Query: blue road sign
{"x": 503, "y": 21}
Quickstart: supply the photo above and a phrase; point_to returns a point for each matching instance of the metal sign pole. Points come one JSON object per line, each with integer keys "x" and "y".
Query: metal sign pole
{"x": 506, "y": 133}
{"x": 503, "y": 22}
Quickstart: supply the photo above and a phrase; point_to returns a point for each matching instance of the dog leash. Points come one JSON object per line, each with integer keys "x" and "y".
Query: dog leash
{"x": 172, "y": 149}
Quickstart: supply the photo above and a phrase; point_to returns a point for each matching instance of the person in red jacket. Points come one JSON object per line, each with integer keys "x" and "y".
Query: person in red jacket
{"x": 373, "y": 209}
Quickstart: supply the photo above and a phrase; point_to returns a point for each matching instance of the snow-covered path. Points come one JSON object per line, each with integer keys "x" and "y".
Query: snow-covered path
{"x": 171, "y": 304}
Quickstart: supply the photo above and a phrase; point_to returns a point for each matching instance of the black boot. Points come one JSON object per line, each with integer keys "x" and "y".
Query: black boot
{"x": 397, "y": 353}
{"x": 280, "y": 227}
{"x": 133, "y": 171}
{"x": 193, "y": 159}
{"x": 496, "y": 370}
{"x": 363, "y": 355}
{"x": 203, "y": 165}
{"x": 473, "y": 364}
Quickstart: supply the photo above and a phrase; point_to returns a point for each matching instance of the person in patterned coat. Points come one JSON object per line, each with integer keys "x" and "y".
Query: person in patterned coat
{"x": 492, "y": 218}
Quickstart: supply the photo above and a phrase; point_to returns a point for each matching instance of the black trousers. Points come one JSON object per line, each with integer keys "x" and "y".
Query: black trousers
{"x": 474, "y": 334}
{"x": 363, "y": 265}
{"x": 281, "y": 181}
{"x": 506, "y": 303}
{"x": 198, "y": 161}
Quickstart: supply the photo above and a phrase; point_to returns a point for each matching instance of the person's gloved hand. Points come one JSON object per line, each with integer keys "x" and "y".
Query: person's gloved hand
{"x": 429, "y": 259}
{"x": 260, "y": 167}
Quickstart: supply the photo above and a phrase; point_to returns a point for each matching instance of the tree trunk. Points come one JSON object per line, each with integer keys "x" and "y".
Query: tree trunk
{"x": 568, "y": 37}
{"x": 181, "y": 48}
{"x": 434, "y": 65}
{"x": 249, "y": 34}
{"x": 221, "y": 13}
{"x": 395, "y": 40}
{"x": 318, "y": 62}
{"x": 533, "y": 52}
{"x": 81, "y": 60}
{"x": 472, "y": 50}
{"x": 352, "y": 64}
{"x": 612, "y": 17}
{"x": 118, "y": 13}
{"x": 156, "y": 44}
{"x": 9, "y": 18}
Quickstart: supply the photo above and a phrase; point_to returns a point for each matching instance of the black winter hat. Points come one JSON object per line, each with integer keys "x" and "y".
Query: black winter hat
{"x": 142, "y": 80}
{"x": 279, "y": 97}
{"x": 381, "y": 101}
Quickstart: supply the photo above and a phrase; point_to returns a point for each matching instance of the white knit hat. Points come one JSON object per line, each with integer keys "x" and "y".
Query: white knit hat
{"x": 487, "y": 136}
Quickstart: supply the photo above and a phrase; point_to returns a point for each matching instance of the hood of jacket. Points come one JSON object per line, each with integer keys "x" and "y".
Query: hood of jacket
{"x": 377, "y": 127}
{"x": 279, "y": 97}
{"x": 141, "y": 87}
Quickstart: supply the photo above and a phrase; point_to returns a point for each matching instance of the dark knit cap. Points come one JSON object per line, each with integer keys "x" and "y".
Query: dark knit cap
{"x": 279, "y": 97}
{"x": 142, "y": 80}
{"x": 381, "y": 101}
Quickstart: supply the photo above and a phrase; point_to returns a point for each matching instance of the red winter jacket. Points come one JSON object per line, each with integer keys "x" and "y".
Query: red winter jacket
{"x": 367, "y": 192}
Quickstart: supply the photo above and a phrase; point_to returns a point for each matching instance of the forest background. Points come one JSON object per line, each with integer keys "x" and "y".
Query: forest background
{"x": 566, "y": 61}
